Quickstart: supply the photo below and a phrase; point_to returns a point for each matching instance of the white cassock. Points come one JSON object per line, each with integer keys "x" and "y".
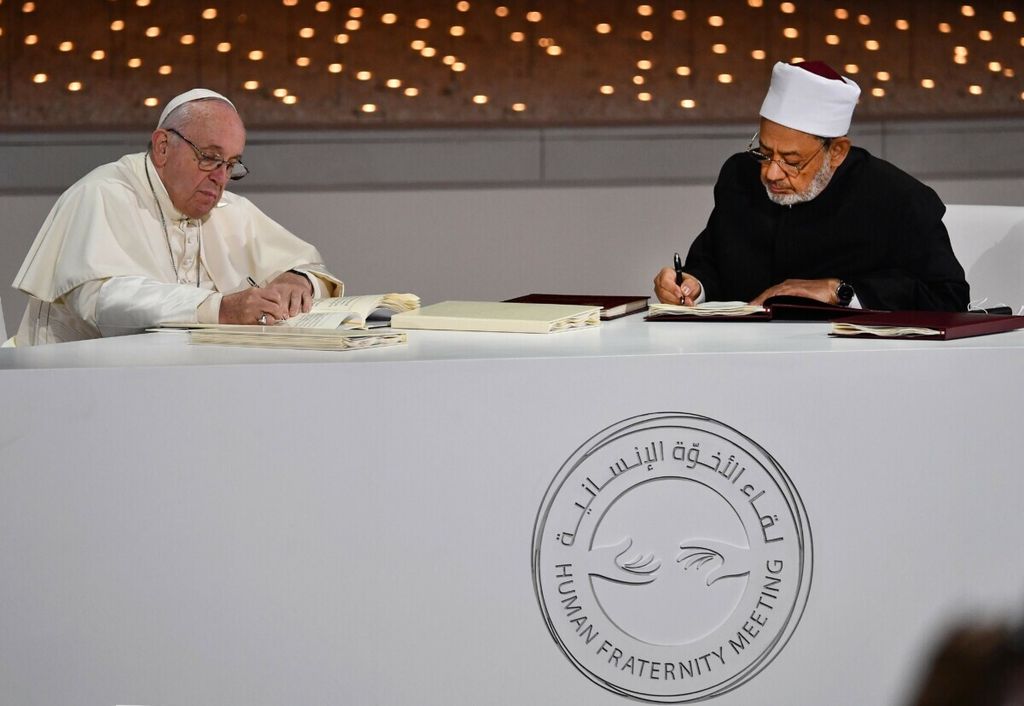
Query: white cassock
{"x": 103, "y": 264}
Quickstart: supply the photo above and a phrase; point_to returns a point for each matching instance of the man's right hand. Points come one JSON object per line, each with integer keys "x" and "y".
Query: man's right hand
{"x": 249, "y": 305}
{"x": 669, "y": 292}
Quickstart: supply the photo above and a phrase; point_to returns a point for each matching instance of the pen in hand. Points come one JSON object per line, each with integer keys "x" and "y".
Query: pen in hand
{"x": 677, "y": 262}
{"x": 252, "y": 282}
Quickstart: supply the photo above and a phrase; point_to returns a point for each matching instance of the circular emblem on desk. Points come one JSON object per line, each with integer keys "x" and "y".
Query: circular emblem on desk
{"x": 671, "y": 558}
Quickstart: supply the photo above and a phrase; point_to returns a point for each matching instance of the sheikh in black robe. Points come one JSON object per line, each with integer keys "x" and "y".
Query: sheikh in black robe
{"x": 873, "y": 226}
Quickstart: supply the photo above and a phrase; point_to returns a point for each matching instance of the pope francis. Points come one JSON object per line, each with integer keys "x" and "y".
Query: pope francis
{"x": 154, "y": 238}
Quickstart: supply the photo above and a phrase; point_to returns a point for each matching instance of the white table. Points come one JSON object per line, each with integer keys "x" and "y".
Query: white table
{"x": 193, "y": 525}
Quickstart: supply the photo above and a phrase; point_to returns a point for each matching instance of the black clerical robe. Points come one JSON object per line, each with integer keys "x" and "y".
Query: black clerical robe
{"x": 873, "y": 226}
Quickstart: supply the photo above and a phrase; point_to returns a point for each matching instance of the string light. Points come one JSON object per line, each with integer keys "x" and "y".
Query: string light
{"x": 716, "y": 20}
{"x": 606, "y": 90}
{"x": 945, "y": 27}
{"x": 725, "y": 78}
{"x": 758, "y": 55}
{"x": 66, "y": 46}
{"x": 534, "y": 16}
{"x": 411, "y": 91}
{"x": 152, "y": 32}
{"x": 519, "y": 107}
{"x": 307, "y": 32}
{"x": 322, "y": 6}
{"x": 335, "y": 68}
{"x": 501, "y": 11}
{"x": 974, "y": 89}
{"x": 719, "y": 48}
{"x": 251, "y": 85}
{"x": 393, "y": 83}
{"x": 302, "y": 61}
{"x": 480, "y": 99}
{"x": 224, "y": 47}
{"x": 687, "y": 103}
{"x": 644, "y": 64}
{"x": 787, "y": 8}
{"x": 256, "y": 55}
{"x": 98, "y": 55}
{"x": 151, "y": 102}
{"x": 678, "y": 15}
{"x": 683, "y": 70}
{"x": 832, "y": 39}
{"x": 389, "y": 18}
{"x": 40, "y": 78}
{"x": 368, "y": 108}
{"x": 603, "y": 28}
{"x": 644, "y": 10}
{"x": 209, "y": 13}
{"x": 423, "y": 23}
{"x": 967, "y": 11}
{"x": 187, "y": 39}
{"x": 117, "y": 25}
{"x": 927, "y": 83}
{"x": 165, "y": 70}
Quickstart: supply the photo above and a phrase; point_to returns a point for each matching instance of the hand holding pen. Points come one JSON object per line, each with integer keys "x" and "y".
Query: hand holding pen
{"x": 673, "y": 286}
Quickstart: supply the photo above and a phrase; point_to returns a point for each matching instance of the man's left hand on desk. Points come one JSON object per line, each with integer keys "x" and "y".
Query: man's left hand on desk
{"x": 296, "y": 292}
{"x": 823, "y": 290}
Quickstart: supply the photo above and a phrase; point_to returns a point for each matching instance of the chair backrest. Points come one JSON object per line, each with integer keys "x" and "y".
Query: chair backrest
{"x": 989, "y": 242}
{"x": 3, "y": 329}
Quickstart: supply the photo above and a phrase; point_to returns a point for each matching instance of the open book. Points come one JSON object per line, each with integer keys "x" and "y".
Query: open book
{"x": 508, "y": 317}
{"x": 778, "y": 308}
{"x": 353, "y": 312}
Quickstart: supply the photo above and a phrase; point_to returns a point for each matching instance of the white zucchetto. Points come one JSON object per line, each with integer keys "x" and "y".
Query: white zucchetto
{"x": 187, "y": 97}
{"x": 811, "y": 97}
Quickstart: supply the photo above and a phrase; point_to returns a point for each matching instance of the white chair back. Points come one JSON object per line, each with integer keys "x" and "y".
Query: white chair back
{"x": 989, "y": 242}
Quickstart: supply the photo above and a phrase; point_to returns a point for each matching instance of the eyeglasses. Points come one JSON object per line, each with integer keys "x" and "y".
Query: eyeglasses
{"x": 212, "y": 162}
{"x": 788, "y": 168}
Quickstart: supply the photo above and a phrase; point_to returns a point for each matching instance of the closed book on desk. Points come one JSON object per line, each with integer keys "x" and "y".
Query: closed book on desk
{"x": 290, "y": 337}
{"x": 612, "y": 306}
{"x": 779, "y": 308}
{"x": 937, "y": 325}
{"x": 508, "y": 317}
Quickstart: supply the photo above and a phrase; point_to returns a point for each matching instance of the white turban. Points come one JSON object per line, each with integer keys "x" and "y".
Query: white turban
{"x": 811, "y": 98}
{"x": 195, "y": 94}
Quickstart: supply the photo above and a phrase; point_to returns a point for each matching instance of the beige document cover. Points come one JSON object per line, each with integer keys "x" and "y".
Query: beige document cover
{"x": 509, "y": 317}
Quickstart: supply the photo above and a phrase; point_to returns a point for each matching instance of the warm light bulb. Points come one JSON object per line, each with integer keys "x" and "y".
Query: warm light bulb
{"x": 688, "y": 103}
{"x": 758, "y": 54}
{"x": 725, "y": 78}
{"x": 66, "y": 46}
{"x": 224, "y": 47}
{"x": 335, "y": 68}
{"x": 364, "y": 75}
{"x": 187, "y": 39}
{"x": 40, "y": 78}
{"x": 251, "y": 85}
{"x": 209, "y": 13}
{"x": 719, "y": 48}
{"x": 151, "y": 102}
{"x": 790, "y": 32}
{"x": 412, "y": 91}
{"x": 307, "y": 32}
{"x": 256, "y": 55}
{"x": 534, "y": 16}
{"x": 98, "y": 55}
{"x": 716, "y": 20}
{"x": 389, "y": 18}
{"x": 302, "y": 61}
{"x": 165, "y": 70}
{"x": 603, "y": 28}
{"x": 927, "y": 83}
{"x": 457, "y": 30}
{"x": 644, "y": 97}
{"x": 152, "y": 32}
{"x": 393, "y": 83}
{"x": 368, "y": 108}
{"x": 480, "y": 99}
{"x": 117, "y": 25}
{"x": 607, "y": 90}
{"x": 683, "y": 70}
{"x": 832, "y": 39}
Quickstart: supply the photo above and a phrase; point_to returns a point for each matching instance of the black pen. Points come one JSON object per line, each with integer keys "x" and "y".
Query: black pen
{"x": 252, "y": 282}
{"x": 678, "y": 262}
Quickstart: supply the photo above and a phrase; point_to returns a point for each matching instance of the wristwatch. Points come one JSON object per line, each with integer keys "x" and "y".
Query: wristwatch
{"x": 844, "y": 293}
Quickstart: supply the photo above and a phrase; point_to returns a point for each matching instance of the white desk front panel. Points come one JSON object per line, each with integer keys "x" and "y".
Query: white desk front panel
{"x": 184, "y": 525}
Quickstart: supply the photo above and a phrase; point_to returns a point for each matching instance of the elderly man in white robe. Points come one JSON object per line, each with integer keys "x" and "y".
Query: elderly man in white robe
{"x": 154, "y": 238}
